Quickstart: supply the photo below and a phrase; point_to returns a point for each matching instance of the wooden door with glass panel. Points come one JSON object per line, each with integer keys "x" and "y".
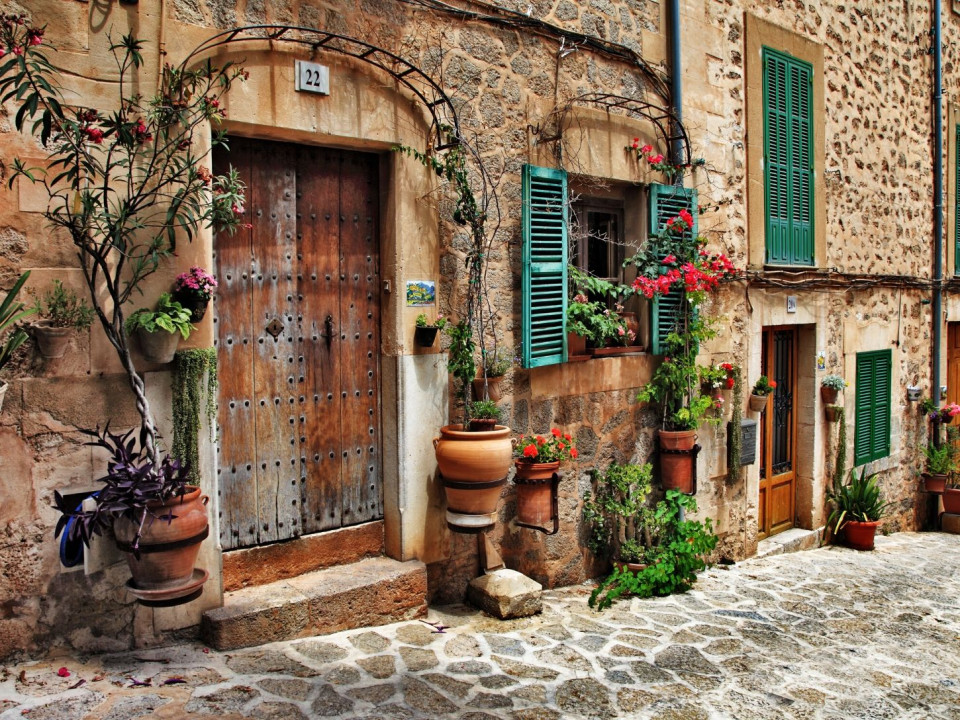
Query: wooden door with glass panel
{"x": 778, "y": 433}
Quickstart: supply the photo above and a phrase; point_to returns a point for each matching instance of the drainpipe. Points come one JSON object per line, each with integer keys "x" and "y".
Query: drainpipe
{"x": 676, "y": 80}
{"x": 937, "y": 199}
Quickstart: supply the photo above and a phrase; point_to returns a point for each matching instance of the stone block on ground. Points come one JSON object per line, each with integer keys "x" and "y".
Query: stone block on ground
{"x": 506, "y": 594}
{"x": 376, "y": 591}
{"x": 950, "y": 523}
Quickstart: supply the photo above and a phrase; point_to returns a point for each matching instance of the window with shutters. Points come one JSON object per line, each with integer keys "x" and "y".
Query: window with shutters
{"x": 872, "y": 433}
{"x": 788, "y": 170}
{"x": 597, "y": 239}
{"x": 666, "y": 202}
{"x": 544, "y": 276}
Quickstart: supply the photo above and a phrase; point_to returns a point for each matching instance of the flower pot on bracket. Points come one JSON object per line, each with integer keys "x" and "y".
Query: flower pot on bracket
{"x": 158, "y": 347}
{"x": 473, "y": 468}
{"x": 425, "y": 336}
{"x": 832, "y": 412}
{"x": 536, "y": 486}
{"x": 494, "y": 391}
{"x": 934, "y": 483}
{"x": 677, "y": 459}
{"x": 829, "y": 395}
{"x": 170, "y": 542}
{"x": 196, "y": 304}
{"x": 951, "y": 500}
{"x": 758, "y": 403}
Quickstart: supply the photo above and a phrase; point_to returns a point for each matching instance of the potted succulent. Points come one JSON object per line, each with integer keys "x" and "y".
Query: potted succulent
{"x": 62, "y": 313}
{"x": 830, "y": 387}
{"x": 425, "y": 332}
{"x": 484, "y": 415}
{"x": 761, "y": 391}
{"x": 538, "y": 458}
{"x": 193, "y": 290}
{"x": 159, "y": 331}
{"x": 11, "y": 312}
{"x": 493, "y": 366}
{"x": 858, "y": 507}
{"x": 655, "y": 549}
{"x": 941, "y": 462}
{"x": 157, "y": 519}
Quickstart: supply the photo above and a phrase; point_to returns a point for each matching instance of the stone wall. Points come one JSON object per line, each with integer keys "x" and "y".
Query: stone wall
{"x": 507, "y": 76}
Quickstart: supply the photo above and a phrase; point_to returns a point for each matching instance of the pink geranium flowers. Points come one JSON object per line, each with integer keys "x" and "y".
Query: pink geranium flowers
{"x": 197, "y": 282}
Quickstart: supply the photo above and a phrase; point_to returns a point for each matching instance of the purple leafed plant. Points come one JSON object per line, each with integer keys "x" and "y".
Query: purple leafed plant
{"x": 132, "y": 481}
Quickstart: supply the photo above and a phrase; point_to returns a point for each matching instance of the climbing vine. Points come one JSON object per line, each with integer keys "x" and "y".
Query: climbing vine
{"x": 736, "y": 429}
{"x": 190, "y": 369}
{"x": 841, "y": 465}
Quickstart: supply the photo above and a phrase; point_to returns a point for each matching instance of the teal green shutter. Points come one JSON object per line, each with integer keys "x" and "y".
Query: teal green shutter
{"x": 666, "y": 201}
{"x": 788, "y": 158}
{"x": 956, "y": 204}
{"x": 873, "y": 404}
{"x": 544, "y": 280}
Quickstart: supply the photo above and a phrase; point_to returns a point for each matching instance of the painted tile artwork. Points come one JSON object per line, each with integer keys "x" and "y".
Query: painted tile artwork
{"x": 421, "y": 293}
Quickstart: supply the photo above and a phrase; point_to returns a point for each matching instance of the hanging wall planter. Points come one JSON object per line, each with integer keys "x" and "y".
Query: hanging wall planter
{"x": 536, "y": 486}
{"x": 832, "y": 412}
{"x": 934, "y": 483}
{"x": 758, "y": 403}
{"x": 678, "y": 459}
{"x": 52, "y": 341}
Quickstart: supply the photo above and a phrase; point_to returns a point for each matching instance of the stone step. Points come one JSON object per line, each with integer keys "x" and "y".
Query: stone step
{"x": 788, "y": 541}
{"x": 375, "y": 591}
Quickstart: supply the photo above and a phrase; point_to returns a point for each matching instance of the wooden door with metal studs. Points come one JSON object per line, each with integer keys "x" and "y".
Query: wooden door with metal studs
{"x": 297, "y": 319}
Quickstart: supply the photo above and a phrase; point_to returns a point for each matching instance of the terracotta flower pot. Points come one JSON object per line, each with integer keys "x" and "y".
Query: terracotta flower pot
{"x": 168, "y": 548}
{"x": 832, "y": 412}
{"x": 494, "y": 390}
{"x": 676, "y": 468}
{"x": 158, "y": 347}
{"x": 631, "y": 566}
{"x": 576, "y": 347}
{"x": 473, "y": 466}
{"x": 934, "y": 483}
{"x": 860, "y": 535}
{"x": 194, "y": 303}
{"x": 829, "y": 395}
{"x": 951, "y": 500}
{"x": 758, "y": 403}
{"x": 535, "y": 492}
{"x": 52, "y": 341}
{"x": 482, "y": 424}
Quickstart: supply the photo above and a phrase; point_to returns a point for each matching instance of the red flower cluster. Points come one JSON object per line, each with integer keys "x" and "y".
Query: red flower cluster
{"x": 555, "y": 447}
{"x": 140, "y": 132}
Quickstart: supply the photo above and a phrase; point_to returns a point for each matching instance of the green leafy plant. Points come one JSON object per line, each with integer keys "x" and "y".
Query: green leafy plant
{"x": 485, "y": 410}
{"x": 170, "y": 316}
{"x": 833, "y": 382}
{"x": 495, "y": 364}
{"x": 439, "y": 323}
{"x": 764, "y": 386}
{"x": 123, "y": 180}
{"x": 11, "y": 312}
{"x": 859, "y": 499}
{"x": 681, "y": 553}
{"x": 734, "y": 470}
{"x": 840, "y": 466}
{"x": 194, "y": 373}
{"x": 588, "y": 314}
{"x": 621, "y": 524}
{"x": 461, "y": 363}
{"x": 63, "y": 308}
{"x": 942, "y": 459}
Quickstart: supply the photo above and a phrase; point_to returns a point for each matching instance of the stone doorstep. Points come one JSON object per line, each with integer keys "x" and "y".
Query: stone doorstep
{"x": 374, "y": 591}
{"x": 792, "y": 540}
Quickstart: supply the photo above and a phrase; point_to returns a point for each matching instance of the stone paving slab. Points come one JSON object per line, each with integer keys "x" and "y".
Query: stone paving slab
{"x": 826, "y": 634}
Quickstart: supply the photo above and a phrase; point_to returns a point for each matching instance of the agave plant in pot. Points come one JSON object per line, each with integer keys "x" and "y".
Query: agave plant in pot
{"x": 858, "y": 507}
{"x": 62, "y": 314}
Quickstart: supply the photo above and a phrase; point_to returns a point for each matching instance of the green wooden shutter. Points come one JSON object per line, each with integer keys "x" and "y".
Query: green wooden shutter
{"x": 544, "y": 280}
{"x": 666, "y": 201}
{"x": 788, "y": 158}
{"x": 873, "y": 405}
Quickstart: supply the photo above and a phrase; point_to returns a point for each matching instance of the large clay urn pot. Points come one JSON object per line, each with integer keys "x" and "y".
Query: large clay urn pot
{"x": 168, "y": 548}
{"x": 473, "y": 467}
{"x": 951, "y": 500}
{"x": 860, "y": 535}
{"x": 158, "y": 347}
{"x": 676, "y": 460}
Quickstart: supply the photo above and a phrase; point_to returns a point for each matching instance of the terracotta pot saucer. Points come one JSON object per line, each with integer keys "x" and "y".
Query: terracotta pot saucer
{"x": 171, "y": 596}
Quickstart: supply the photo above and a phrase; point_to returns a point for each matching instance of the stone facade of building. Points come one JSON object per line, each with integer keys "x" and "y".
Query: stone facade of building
{"x": 511, "y": 71}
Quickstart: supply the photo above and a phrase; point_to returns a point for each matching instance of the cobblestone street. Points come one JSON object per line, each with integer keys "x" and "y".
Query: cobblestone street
{"x": 829, "y": 633}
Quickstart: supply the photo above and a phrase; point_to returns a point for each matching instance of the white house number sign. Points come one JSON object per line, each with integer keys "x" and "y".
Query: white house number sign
{"x": 312, "y": 77}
